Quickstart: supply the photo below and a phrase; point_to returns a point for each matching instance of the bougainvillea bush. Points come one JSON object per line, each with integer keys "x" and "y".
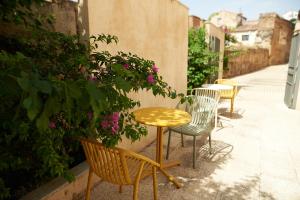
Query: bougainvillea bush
{"x": 54, "y": 89}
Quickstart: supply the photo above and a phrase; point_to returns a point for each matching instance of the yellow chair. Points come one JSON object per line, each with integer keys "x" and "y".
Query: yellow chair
{"x": 118, "y": 166}
{"x": 228, "y": 94}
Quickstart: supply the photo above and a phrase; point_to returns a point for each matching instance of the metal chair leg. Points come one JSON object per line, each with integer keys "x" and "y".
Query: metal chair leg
{"x": 182, "y": 144}
{"x": 209, "y": 142}
{"x": 194, "y": 152}
{"x": 168, "y": 146}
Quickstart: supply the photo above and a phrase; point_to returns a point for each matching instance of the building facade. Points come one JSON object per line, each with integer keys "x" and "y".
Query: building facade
{"x": 227, "y": 19}
{"x": 271, "y": 32}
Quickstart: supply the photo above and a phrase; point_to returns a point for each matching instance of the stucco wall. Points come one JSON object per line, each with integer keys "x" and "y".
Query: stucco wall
{"x": 153, "y": 29}
{"x": 247, "y": 61}
{"x": 212, "y": 30}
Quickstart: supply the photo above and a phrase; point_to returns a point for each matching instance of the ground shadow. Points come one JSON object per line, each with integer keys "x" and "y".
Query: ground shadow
{"x": 237, "y": 114}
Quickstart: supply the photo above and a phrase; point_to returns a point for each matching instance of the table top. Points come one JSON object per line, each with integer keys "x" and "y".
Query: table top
{"x": 218, "y": 86}
{"x": 163, "y": 117}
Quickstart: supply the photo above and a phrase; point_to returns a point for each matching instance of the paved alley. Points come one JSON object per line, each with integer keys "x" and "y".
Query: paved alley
{"x": 256, "y": 153}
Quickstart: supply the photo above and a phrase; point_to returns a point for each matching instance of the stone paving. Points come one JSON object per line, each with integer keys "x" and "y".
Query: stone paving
{"x": 256, "y": 154}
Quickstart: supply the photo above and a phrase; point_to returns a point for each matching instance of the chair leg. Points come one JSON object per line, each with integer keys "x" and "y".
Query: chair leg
{"x": 182, "y": 143}
{"x": 168, "y": 146}
{"x": 137, "y": 181}
{"x": 231, "y": 105}
{"x": 209, "y": 142}
{"x": 135, "y": 191}
{"x": 88, "y": 188}
{"x": 194, "y": 152}
{"x": 154, "y": 183}
{"x": 120, "y": 189}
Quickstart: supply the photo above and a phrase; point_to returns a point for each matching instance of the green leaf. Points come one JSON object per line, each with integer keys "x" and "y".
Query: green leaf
{"x": 33, "y": 105}
{"x": 24, "y": 83}
{"x": 74, "y": 90}
{"x": 42, "y": 122}
{"x": 43, "y": 86}
{"x": 117, "y": 68}
{"x": 28, "y": 102}
{"x": 123, "y": 84}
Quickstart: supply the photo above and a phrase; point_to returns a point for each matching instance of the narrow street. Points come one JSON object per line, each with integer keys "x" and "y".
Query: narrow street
{"x": 256, "y": 154}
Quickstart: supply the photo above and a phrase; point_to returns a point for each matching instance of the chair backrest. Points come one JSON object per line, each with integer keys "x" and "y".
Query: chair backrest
{"x": 212, "y": 93}
{"x": 203, "y": 107}
{"x": 108, "y": 163}
{"x": 202, "y": 110}
{"x": 230, "y": 82}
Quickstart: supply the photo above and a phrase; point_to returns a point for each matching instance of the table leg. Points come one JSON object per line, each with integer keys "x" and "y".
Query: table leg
{"x": 158, "y": 145}
{"x": 159, "y": 158}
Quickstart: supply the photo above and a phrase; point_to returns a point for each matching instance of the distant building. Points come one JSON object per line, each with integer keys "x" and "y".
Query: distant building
{"x": 246, "y": 33}
{"x": 195, "y": 22}
{"x": 227, "y": 19}
{"x": 290, "y": 15}
{"x": 271, "y": 31}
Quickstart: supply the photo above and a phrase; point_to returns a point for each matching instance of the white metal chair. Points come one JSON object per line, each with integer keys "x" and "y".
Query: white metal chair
{"x": 203, "y": 112}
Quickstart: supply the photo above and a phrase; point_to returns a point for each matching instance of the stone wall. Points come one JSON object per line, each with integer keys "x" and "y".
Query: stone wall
{"x": 64, "y": 13}
{"x": 246, "y": 61}
{"x": 281, "y": 42}
{"x": 275, "y": 34}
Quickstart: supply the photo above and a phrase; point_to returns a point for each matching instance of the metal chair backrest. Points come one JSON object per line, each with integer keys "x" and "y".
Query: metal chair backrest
{"x": 203, "y": 109}
{"x": 212, "y": 94}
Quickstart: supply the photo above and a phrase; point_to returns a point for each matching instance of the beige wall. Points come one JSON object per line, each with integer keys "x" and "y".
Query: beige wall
{"x": 154, "y": 29}
{"x": 212, "y": 30}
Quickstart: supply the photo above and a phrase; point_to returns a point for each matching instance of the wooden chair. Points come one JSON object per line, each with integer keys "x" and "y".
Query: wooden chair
{"x": 118, "y": 166}
{"x": 203, "y": 111}
{"x": 231, "y": 94}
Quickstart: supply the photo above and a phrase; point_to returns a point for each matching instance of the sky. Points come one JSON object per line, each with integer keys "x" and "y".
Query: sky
{"x": 250, "y": 8}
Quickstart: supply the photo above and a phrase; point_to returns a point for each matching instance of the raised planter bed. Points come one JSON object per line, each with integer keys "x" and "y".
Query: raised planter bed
{"x": 59, "y": 188}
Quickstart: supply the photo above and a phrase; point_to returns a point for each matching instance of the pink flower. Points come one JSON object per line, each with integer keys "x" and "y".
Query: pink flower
{"x": 105, "y": 124}
{"x": 92, "y": 78}
{"x": 126, "y": 66}
{"x": 154, "y": 68}
{"x": 52, "y": 125}
{"x": 115, "y": 116}
{"x": 150, "y": 79}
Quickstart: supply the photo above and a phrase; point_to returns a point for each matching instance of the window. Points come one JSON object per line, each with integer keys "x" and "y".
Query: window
{"x": 219, "y": 20}
{"x": 214, "y": 44}
{"x": 245, "y": 37}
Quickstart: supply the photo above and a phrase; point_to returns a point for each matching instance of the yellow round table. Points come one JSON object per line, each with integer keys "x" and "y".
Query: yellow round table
{"x": 162, "y": 117}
